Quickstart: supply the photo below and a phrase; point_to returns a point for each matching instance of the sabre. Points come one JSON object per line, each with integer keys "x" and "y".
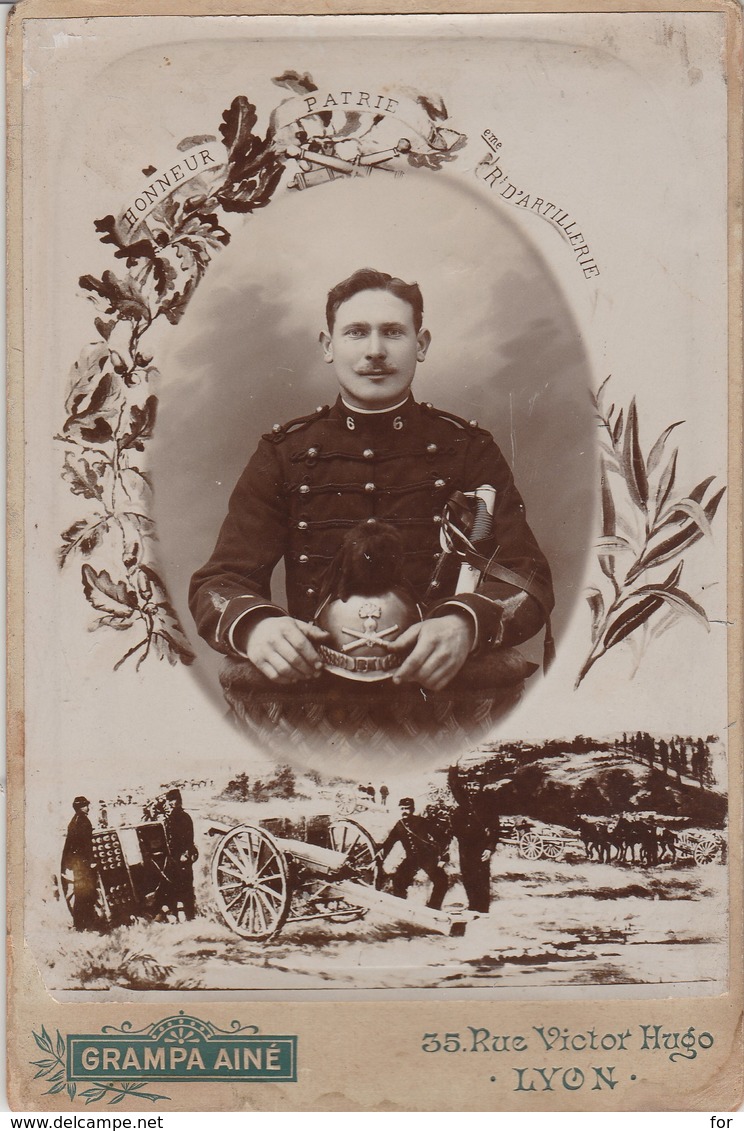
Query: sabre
{"x": 485, "y": 501}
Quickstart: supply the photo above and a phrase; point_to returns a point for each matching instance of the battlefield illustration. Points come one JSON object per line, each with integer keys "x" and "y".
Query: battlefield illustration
{"x": 561, "y": 863}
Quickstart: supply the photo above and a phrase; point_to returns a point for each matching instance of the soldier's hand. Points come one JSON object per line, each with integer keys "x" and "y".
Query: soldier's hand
{"x": 440, "y": 648}
{"x": 283, "y": 649}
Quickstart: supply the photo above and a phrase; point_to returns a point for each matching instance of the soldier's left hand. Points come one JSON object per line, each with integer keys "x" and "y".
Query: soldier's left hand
{"x": 440, "y": 648}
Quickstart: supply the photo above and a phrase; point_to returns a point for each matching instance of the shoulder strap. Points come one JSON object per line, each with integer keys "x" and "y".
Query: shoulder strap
{"x": 460, "y": 421}
{"x": 279, "y": 432}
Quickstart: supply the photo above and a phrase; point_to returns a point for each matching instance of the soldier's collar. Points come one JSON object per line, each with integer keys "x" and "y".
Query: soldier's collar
{"x": 396, "y": 417}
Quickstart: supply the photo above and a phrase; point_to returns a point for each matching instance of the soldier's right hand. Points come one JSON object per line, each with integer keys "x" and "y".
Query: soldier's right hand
{"x": 284, "y": 649}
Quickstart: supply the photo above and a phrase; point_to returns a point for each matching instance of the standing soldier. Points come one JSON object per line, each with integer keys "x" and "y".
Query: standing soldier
{"x": 78, "y": 858}
{"x": 477, "y": 829}
{"x": 422, "y": 854}
{"x": 384, "y": 791}
{"x": 179, "y": 831}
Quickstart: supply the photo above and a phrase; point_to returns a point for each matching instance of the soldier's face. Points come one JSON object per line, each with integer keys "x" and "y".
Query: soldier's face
{"x": 374, "y": 349}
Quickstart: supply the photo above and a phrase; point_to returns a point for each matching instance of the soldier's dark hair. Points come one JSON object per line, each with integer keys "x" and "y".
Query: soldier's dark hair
{"x": 368, "y": 279}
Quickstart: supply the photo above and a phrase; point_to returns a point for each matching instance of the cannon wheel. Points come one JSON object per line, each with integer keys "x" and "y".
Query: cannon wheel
{"x": 706, "y": 850}
{"x": 355, "y": 842}
{"x": 531, "y": 846}
{"x": 554, "y": 849}
{"x": 67, "y": 888}
{"x": 345, "y": 803}
{"x": 250, "y": 880}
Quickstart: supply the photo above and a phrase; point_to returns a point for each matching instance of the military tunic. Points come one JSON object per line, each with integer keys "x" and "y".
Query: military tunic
{"x": 312, "y": 480}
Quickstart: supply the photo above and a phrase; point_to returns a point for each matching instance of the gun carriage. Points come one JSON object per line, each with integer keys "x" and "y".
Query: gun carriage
{"x": 537, "y": 842}
{"x": 278, "y": 871}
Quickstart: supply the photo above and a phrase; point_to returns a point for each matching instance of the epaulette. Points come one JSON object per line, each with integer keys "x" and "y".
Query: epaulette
{"x": 280, "y": 431}
{"x": 460, "y": 421}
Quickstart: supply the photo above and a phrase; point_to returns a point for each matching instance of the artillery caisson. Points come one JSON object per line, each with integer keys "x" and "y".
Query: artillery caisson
{"x": 278, "y": 871}
{"x": 131, "y": 865}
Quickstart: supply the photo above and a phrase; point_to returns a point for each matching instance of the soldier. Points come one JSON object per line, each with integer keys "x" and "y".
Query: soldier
{"x": 78, "y": 858}
{"x": 375, "y": 456}
{"x": 422, "y": 854}
{"x": 475, "y": 824}
{"x": 384, "y": 792}
{"x": 179, "y": 832}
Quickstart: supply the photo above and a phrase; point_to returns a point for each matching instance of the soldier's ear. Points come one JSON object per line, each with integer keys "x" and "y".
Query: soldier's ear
{"x": 325, "y": 341}
{"x": 423, "y": 341}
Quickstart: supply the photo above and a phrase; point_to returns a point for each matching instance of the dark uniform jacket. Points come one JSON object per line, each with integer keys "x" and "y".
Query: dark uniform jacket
{"x": 476, "y": 824}
{"x": 414, "y": 836}
{"x": 77, "y": 855}
{"x": 313, "y": 479}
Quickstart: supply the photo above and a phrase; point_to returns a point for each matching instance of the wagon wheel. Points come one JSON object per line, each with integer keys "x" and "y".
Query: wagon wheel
{"x": 438, "y": 794}
{"x": 554, "y": 849}
{"x": 706, "y": 850}
{"x": 359, "y": 848}
{"x": 345, "y": 803}
{"x": 67, "y": 887}
{"x": 531, "y": 846}
{"x": 249, "y": 874}
{"x": 686, "y": 843}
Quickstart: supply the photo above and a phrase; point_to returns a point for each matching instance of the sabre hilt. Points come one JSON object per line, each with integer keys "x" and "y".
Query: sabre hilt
{"x": 485, "y": 500}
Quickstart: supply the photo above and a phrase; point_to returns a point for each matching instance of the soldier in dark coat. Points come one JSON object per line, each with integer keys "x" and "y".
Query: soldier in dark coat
{"x": 475, "y": 824}
{"x": 179, "y": 832}
{"x": 78, "y": 858}
{"x": 376, "y": 455}
{"x": 422, "y": 854}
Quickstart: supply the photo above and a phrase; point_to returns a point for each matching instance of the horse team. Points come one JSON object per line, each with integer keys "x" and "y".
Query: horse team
{"x": 638, "y": 841}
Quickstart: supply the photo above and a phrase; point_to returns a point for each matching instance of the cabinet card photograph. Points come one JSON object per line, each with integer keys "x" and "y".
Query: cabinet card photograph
{"x": 375, "y": 565}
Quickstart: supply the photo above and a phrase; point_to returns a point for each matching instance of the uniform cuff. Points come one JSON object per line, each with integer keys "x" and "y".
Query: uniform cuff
{"x": 442, "y": 610}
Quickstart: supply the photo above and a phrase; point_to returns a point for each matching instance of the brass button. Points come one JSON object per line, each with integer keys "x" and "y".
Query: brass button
{"x": 437, "y": 518}
{"x": 371, "y": 521}
{"x": 369, "y": 487}
{"x": 302, "y": 526}
{"x": 432, "y": 449}
{"x": 276, "y": 428}
{"x": 303, "y": 558}
{"x": 428, "y": 404}
{"x": 312, "y": 452}
{"x": 310, "y": 592}
{"x": 439, "y": 483}
{"x": 319, "y": 408}
{"x": 368, "y": 453}
{"x": 473, "y": 423}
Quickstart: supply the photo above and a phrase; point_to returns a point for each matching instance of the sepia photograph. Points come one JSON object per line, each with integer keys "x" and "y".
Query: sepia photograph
{"x": 375, "y": 513}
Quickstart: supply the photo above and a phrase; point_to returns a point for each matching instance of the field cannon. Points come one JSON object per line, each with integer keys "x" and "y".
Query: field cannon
{"x": 279, "y": 871}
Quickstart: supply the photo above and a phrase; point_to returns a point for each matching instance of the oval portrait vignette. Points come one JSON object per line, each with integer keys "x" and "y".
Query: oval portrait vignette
{"x": 348, "y": 446}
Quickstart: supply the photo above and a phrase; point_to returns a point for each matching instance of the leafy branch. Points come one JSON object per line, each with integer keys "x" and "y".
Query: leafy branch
{"x": 53, "y": 1069}
{"x": 645, "y": 524}
{"x": 111, "y": 412}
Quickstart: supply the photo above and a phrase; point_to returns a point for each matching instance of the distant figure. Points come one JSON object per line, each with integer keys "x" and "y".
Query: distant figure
{"x": 371, "y": 793}
{"x": 422, "y": 854}
{"x": 475, "y": 824}
{"x": 102, "y": 815}
{"x": 78, "y": 858}
{"x": 179, "y": 832}
{"x": 384, "y": 793}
